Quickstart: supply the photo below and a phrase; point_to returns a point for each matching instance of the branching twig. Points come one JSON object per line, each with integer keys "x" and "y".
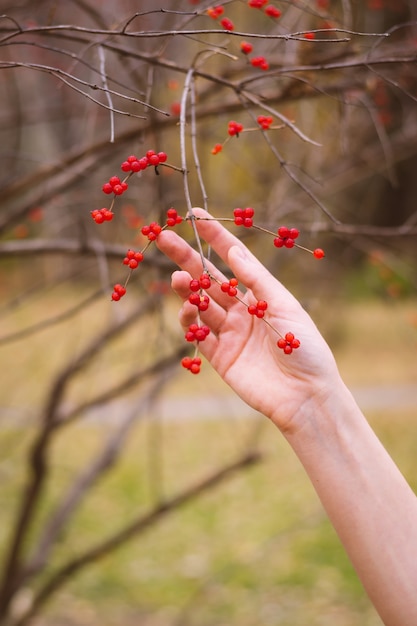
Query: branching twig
{"x": 138, "y": 526}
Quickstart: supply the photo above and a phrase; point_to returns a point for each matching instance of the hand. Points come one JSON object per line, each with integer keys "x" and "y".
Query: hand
{"x": 242, "y": 348}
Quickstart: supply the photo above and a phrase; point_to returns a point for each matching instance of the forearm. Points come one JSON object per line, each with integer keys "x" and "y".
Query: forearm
{"x": 367, "y": 499}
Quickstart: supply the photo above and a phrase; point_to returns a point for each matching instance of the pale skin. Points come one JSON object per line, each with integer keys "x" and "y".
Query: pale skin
{"x": 367, "y": 499}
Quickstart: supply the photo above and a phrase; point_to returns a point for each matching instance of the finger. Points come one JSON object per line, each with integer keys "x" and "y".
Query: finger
{"x": 177, "y": 249}
{"x": 263, "y": 284}
{"x": 184, "y": 255}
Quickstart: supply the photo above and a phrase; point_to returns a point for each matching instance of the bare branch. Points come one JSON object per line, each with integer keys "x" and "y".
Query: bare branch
{"x": 134, "y": 529}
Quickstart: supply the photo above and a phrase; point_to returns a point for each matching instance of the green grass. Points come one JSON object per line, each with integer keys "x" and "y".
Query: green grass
{"x": 256, "y": 551}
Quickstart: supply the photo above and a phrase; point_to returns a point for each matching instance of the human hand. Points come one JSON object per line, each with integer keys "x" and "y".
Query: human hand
{"x": 242, "y": 348}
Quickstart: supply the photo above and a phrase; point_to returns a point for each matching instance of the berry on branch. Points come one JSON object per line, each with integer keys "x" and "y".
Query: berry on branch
{"x": 234, "y": 128}
{"x": 132, "y": 259}
{"x": 258, "y": 309}
{"x": 272, "y": 11}
{"x": 102, "y": 215}
{"x": 192, "y": 364}
{"x": 227, "y": 24}
{"x": 264, "y": 122}
{"x": 288, "y": 343}
{"x": 260, "y": 62}
{"x": 215, "y": 12}
{"x": 151, "y": 231}
{"x": 197, "y": 333}
{"x": 118, "y": 292}
{"x": 230, "y": 288}
{"x": 218, "y": 147}
{"x": 173, "y": 218}
{"x": 286, "y": 237}
{"x": 246, "y": 47}
{"x": 257, "y": 4}
{"x": 244, "y": 217}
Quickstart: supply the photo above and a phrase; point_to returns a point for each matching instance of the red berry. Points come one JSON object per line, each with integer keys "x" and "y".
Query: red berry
{"x": 194, "y": 298}
{"x": 215, "y": 12}
{"x": 194, "y": 284}
{"x": 102, "y": 215}
{"x": 107, "y": 188}
{"x": 234, "y": 128}
{"x": 258, "y": 309}
{"x": 318, "y": 253}
{"x": 272, "y": 11}
{"x": 195, "y": 368}
{"x": 260, "y": 62}
{"x": 97, "y": 216}
{"x": 257, "y": 4}
{"x": 162, "y": 157}
{"x": 227, "y": 24}
{"x": 151, "y": 231}
{"x": 217, "y": 148}
{"x": 283, "y": 232}
{"x": 187, "y": 362}
{"x": 118, "y": 292}
{"x": 264, "y": 122}
{"x": 309, "y": 36}
{"x": 205, "y": 281}
{"x": 288, "y": 343}
{"x": 197, "y": 333}
{"x": 136, "y": 166}
{"x": 153, "y": 159}
{"x": 118, "y": 190}
{"x": 246, "y": 47}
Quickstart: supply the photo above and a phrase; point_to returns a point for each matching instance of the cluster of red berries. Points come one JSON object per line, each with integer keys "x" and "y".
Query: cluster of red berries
{"x": 234, "y": 128}
{"x": 173, "y": 218}
{"x": 244, "y": 217}
{"x": 204, "y": 282}
{"x": 192, "y": 364}
{"x": 115, "y": 185}
{"x": 151, "y": 231}
{"x": 258, "y": 309}
{"x": 102, "y": 215}
{"x": 216, "y": 12}
{"x": 151, "y": 158}
{"x": 132, "y": 259}
{"x": 200, "y": 300}
{"x": 265, "y": 121}
{"x": 270, "y": 10}
{"x": 118, "y": 292}
{"x": 260, "y": 62}
{"x": 286, "y": 237}
{"x": 230, "y": 287}
{"x": 197, "y": 297}
{"x": 197, "y": 333}
{"x": 288, "y": 343}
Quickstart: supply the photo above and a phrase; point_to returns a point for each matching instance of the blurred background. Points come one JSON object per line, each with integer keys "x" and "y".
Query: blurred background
{"x": 130, "y": 489}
